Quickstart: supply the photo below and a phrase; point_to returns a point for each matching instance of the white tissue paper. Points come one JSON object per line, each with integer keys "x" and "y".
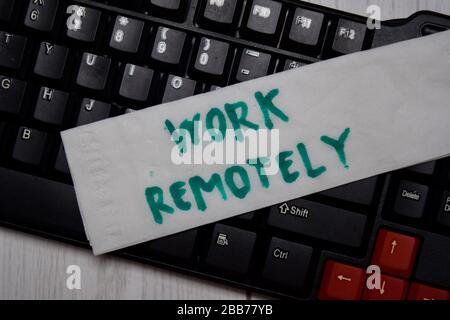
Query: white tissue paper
{"x": 338, "y": 121}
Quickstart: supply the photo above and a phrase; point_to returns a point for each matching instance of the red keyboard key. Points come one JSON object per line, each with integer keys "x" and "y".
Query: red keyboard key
{"x": 342, "y": 282}
{"x": 395, "y": 253}
{"x": 391, "y": 289}
{"x": 422, "y": 292}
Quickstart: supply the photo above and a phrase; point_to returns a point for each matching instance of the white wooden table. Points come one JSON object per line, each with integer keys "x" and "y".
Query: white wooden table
{"x": 35, "y": 268}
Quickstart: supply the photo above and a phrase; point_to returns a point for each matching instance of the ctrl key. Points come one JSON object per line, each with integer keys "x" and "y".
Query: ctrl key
{"x": 287, "y": 264}
{"x": 230, "y": 249}
{"x": 29, "y": 146}
{"x": 341, "y": 282}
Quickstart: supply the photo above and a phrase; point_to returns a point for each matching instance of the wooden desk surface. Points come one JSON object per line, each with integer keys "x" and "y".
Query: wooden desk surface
{"x": 34, "y": 268}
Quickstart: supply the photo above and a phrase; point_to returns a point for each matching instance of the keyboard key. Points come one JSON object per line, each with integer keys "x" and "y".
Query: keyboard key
{"x": 349, "y": 36}
{"x": 360, "y": 192}
{"x": 264, "y": 16}
{"x": 391, "y": 289}
{"x": 82, "y": 23}
{"x": 291, "y": 64}
{"x": 179, "y": 246}
{"x": 168, "y": 46}
{"x": 51, "y": 60}
{"x": 247, "y": 216}
{"x": 420, "y": 291}
{"x": 212, "y": 56}
{"x": 41, "y": 14}
{"x": 214, "y": 88}
{"x": 167, "y": 4}
{"x": 129, "y": 110}
{"x": 426, "y": 168}
{"x": 93, "y": 71}
{"x": 178, "y": 88}
{"x": 133, "y": 5}
{"x": 12, "y": 48}
{"x": 51, "y": 106}
{"x": 136, "y": 83}
{"x": 287, "y": 264}
{"x": 61, "y": 164}
{"x": 92, "y": 111}
{"x": 430, "y": 29}
{"x": 169, "y": 9}
{"x": 411, "y": 199}
{"x": 319, "y": 221}
{"x": 306, "y": 27}
{"x": 12, "y": 92}
{"x": 434, "y": 261}
{"x": 230, "y": 242}
{"x": 53, "y": 204}
{"x": 220, "y": 11}
{"x": 395, "y": 253}
{"x": 6, "y": 9}
{"x": 126, "y": 35}
{"x": 29, "y": 146}
{"x": 444, "y": 210}
{"x": 253, "y": 64}
{"x": 341, "y": 282}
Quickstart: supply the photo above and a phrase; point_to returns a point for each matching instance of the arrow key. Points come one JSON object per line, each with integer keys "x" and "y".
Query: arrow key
{"x": 391, "y": 289}
{"x": 341, "y": 282}
{"x": 420, "y": 291}
{"x": 395, "y": 253}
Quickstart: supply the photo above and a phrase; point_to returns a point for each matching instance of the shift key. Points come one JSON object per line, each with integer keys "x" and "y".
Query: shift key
{"x": 319, "y": 221}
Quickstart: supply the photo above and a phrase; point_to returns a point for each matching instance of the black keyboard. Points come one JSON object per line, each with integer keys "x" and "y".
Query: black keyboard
{"x": 69, "y": 63}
